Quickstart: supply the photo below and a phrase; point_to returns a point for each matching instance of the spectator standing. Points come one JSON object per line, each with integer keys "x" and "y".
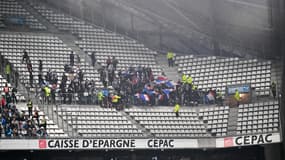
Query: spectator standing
{"x": 170, "y": 57}
{"x": 16, "y": 79}
{"x": 108, "y": 62}
{"x": 14, "y": 97}
{"x": 30, "y": 107}
{"x": 6, "y": 89}
{"x": 8, "y": 71}
{"x": 237, "y": 97}
{"x": 78, "y": 60}
{"x": 3, "y": 102}
{"x": 31, "y": 79}
{"x": 93, "y": 59}
{"x": 40, "y": 67}
{"x": 29, "y": 66}
{"x": 219, "y": 99}
{"x": 25, "y": 57}
{"x": 71, "y": 57}
{"x": 115, "y": 62}
{"x": 100, "y": 98}
{"x": 176, "y": 109}
{"x": 47, "y": 92}
{"x": 273, "y": 89}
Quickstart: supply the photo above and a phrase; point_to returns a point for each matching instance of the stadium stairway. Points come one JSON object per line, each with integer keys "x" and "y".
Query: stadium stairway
{"x": 53, "y": 127}
{"x": 145, "y": 131}
{"x": 42, "y": 20}
{"x": 276, "y": 74}
{"x": 69, "y": 40}
{"x": 232, "y": 123}
{"x": 170, "y": 72}
{"x": 53, "y": 112}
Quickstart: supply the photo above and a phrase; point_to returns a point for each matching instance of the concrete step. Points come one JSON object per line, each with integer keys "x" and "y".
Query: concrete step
{"x": 232, "y": 121}
{"x": 50, "y": 27}
{"x": 170, "y": 72}
{"x": 69, "y": 40}
{"x": 139, "y": 126}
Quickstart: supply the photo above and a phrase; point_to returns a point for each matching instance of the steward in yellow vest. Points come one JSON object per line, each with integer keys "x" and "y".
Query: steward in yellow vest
{"x": 176, "y": 109}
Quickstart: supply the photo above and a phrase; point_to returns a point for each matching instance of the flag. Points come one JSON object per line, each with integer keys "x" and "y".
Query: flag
{"x": 144, "y": 97}
{"x": 162, "y": 78}
{"x": 137, "y": 95}
{"x": 170, "y": 84}
{"x": 160, "y": 97}
{"x": 159, "y": 81}
{"x": 166, "y": 92}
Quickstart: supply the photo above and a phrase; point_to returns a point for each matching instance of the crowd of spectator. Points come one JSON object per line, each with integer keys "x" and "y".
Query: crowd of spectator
{"x": 130, "y": 86}
{"x": 137, "y": 86}
{"x": 16, "y": 123}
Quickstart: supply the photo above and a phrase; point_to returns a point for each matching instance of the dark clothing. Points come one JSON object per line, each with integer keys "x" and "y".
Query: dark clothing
{"x": 31, "y": 80}
{"x": 273, "y": 90}
{"x": 109, "y": 61}
{"x": 93, "y": 59}
{"x": 71, "y": 56}
{"x": 14, "y": 98}
{"x": 26, "y": 58}
{"x": 40, "y": 66}
{"x": 115, "y": 62}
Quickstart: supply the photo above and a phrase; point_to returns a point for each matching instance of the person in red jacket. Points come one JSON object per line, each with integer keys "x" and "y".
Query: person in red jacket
{"x": 3, "y": 101}
{"x": 6, "y": 89}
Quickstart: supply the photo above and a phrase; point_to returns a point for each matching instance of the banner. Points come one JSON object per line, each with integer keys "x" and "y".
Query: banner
{"x": 245, "y": 140}
{"x": 96, "y": 144}
{"x": 66, "y": 144}
{"x": 241, "y": 89}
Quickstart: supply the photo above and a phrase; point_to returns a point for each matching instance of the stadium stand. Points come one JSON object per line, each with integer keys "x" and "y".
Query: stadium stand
{"x": 259, "y": 117}
{"x": 159, "y": 122}
{"x": 12, "y": 11}
{"x": 99, "y": 122}
{"x": 20, "y": 97}
{"x": 191, "y": 122}
{"x": 104, "y": 43}
{"x": 53, "y": 130}
{"x": 216, "y": 72}
{"x": 50, "y": 49}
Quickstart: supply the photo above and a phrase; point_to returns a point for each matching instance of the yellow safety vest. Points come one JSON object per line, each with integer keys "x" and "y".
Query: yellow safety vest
{"x": 176, "y": 108}
{"x": 237, "y": 96}
{"x": 115, "y": 99}
{"x": 30, "y": 104}
{"x": 194, "y": 87}
{"x": 8, "y": 69}
{"x": 170, "y": 55}
{"x": 189, "y": 80}
{"x": 100, "y": 96}
{"x": 184, "y": 78}
{"x": 47, "y": 91}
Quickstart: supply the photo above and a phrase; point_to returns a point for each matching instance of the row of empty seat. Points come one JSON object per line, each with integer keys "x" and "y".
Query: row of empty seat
{"x": 11, "y": 10}
{"x": 216, "y": 72}
{"x": 50, "y": 49}
{"x": 260, "y": 117}
{"x": 104, "y": 43}
{"x": 92, "y": 121}
{"x": 162, "y": 122}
